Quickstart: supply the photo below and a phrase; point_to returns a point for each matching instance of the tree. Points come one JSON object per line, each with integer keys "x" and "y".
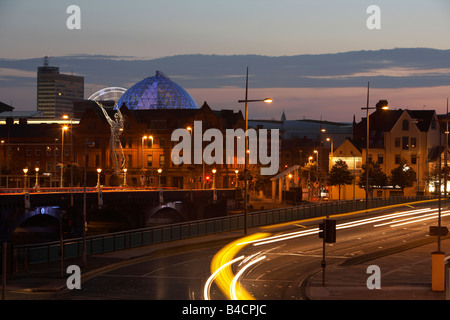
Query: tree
{"x": 403, "y": 176}
{"x": 340, "y": 175}
{"x": 377, "y": 178}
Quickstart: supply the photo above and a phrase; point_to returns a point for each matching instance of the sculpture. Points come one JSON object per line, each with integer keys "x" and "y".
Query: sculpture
{"x": 115, "y": 146}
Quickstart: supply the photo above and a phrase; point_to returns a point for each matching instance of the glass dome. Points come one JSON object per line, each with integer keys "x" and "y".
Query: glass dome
{"x": 157, "y": 92}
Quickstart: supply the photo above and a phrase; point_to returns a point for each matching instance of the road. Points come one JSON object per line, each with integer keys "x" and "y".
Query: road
{"x": 274, "y": 266}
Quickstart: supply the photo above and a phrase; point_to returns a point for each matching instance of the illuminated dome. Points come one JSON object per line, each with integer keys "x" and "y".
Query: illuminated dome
{"x": 157, "y": 92}
{"x": 111, "y": 93}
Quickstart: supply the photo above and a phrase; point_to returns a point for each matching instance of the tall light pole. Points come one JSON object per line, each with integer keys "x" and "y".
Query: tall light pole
{"x": 61, "y": 182}
{"x": 246, "y": 101}
{"x": 71, "y": 158}
{"x": 99, "y": 170}
{"x": 25, "y": 170}
{"x": 125, "y": 177}
{"x": 36, "y": 184}
{"x": 385, "y": 107}
{"x": 142, "y": 152}
{"x": 86, "y": 145}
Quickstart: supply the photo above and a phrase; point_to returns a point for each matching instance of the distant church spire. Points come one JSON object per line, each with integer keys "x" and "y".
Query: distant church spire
{"x": 283, "y": 117}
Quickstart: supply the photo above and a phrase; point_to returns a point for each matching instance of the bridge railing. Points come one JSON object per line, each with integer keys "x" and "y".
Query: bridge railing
{"x": 24, "y": 255}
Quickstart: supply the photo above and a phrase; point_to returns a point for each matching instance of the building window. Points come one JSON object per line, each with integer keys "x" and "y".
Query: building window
{"x": 413, "y": 159}
{"x": 397, "y": 142}
{"x": 405, "y": 143}
{"x": 48, "y": 151}
{"x": 37, "y": 152}
{"x": 397, "y": 159}
{"x": 28, "y": 152}
{"x": 405, "y": 125}
{"x": 413, "y": 142}
{"x": 149, "y": 160}
{"x": 380, "y": 159}
{"x": 161, "y": 160}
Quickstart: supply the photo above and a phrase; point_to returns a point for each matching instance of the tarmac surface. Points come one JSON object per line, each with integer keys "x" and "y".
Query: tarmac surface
{"x": 404, "y": 275}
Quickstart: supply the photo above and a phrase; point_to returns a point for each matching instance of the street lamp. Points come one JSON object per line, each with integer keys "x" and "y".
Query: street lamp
{"x": 66, "y": 117}
{"x": 36, "y": 185}
{"x": 236, "y": 172}
{"x": 142, "y": 152}
{"x": 159, "y": 186}
{"x": 317, "y": 172}
{"x": 159, "y": 178}
{"x": 331, "y": 153}
{"x": 125, "y": 177}
{"x": 86, "y": 145}
{"x": 384, "y": 107}
{"x": 25, "y": 170}
{"x": 98, "y": 177}
{"x": 61, "y": 182}
{"x": 214, "y": 178}
{"x": 246, "y": 101}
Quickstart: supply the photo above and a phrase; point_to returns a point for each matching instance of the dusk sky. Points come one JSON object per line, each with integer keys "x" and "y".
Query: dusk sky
{"x": 145, "y": 30}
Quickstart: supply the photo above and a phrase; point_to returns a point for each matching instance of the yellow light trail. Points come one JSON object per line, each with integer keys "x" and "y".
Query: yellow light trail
{"x": 221, "y": 261}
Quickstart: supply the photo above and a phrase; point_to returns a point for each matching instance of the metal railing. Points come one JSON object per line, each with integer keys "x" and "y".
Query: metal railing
{"x": 24, "y": 255}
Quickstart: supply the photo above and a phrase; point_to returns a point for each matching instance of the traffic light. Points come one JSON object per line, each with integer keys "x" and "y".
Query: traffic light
{"x": 328, "y": 227}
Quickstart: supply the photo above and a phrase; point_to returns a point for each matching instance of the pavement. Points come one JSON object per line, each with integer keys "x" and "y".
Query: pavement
{"x": 404, "y": 274}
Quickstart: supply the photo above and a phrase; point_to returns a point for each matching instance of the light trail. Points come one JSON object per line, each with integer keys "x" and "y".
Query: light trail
{"x": 303, "y": 233}
{"x": 239, "y": 274}
{"x": 222, "y": 261}
{"x": 423, "y": 219}
{"x": 225, "y": 276}
{"x": 214, "y": 275}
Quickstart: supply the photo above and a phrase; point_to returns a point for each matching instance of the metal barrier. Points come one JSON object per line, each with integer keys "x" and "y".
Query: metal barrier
{"x": 48, "y": 252}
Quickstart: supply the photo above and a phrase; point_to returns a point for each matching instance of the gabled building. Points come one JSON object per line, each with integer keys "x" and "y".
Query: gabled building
{"x": 411, "y": 135}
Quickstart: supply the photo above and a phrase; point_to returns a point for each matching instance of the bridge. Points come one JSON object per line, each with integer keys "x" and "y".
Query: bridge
{"x": 139, "y": 206}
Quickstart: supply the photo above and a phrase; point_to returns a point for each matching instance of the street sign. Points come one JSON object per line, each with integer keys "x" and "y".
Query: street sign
{"x": 436, "y": 231}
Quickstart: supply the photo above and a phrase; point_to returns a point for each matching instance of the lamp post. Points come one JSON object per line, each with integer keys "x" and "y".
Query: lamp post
{"x": 385, "y": 107}
{"x": 236, "y": 182}
{"x": 71, "y": 158}
{"x": 86, "y": 145}
{"x": 98, "y": 177}
{"x": 159, "y": 186}
{"x": 330, "y": 164}
{"x": 36, "y": 184}
{"x": 61, "y": 182}
{"x": 125, "y": 177}
{"x": 151, "y": 137}
{"x": 246, "y": 101}
{"x": 25, "y": 170}
{"x": 317, "y": 172}
{"x": 142, "y": 151}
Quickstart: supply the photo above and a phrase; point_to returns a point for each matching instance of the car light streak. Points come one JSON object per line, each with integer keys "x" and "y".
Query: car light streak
{"x": 292, "y": 235}
{"x": 238, "y": 275}
{"x": 224, "y": 277}
{"x": 376, "y": 219}
{"x": 214, "y": 275}
{"x": 443, "y": 214}
{"x": 432, "y": 213}
{"x": 227, "y": 282}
